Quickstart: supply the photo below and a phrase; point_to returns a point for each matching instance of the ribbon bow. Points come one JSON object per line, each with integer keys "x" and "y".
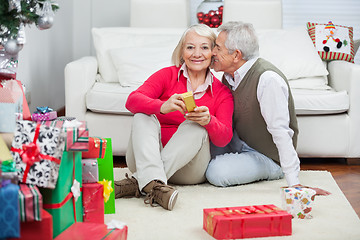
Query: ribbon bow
{"x": 75, "y": 189}
{"x": 30, "y": 153}
{"x": 249, "y": 210}
{"x": 43, "y": 110}
{"x": 107, "y": 189}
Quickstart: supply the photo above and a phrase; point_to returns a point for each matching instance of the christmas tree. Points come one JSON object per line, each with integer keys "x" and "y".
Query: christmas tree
{"x": 15, "y": 14}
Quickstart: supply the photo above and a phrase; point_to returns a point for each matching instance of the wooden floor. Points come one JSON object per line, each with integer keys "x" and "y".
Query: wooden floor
{"x": 346, "y": 176}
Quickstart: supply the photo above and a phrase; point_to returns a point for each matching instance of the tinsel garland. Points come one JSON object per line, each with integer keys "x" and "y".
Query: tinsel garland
{"x": 10, "y": 20}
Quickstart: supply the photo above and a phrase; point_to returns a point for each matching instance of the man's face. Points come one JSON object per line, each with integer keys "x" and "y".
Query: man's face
{"x": 223, "y": 61}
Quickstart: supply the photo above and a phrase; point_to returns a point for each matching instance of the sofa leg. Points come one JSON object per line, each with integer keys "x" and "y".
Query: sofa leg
{"x": 353, "y": 161}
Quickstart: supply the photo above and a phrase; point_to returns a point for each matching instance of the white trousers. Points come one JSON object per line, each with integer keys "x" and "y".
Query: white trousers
{"x": 183, "y": 160}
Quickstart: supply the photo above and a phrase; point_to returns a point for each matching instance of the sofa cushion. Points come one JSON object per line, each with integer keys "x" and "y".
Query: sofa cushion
{"x": 108, "y": 98}
{"x": 333, "y": 42}
{"x": 136, "y": 64}
{"x": 111, "y": 98}
{"x": 319, "y": 83}
{"x": 317, "y": 102}
{"x": 106, "y": 39}
{"x": 292, "y": 51}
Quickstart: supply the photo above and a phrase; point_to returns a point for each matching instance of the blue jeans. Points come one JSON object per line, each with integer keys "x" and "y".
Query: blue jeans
{"x": 237, "y": 163}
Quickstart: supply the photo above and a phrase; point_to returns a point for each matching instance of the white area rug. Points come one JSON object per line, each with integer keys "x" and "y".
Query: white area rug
{"x": 333, "y": 216}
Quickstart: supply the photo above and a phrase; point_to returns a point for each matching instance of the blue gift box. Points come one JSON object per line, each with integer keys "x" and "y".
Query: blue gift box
{"x": 9, "y": 211}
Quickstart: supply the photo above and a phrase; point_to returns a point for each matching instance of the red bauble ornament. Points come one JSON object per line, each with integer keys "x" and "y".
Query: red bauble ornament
{"x": 221, "y": 8}
{"x": 200, "y": 15}
{"x": 211, "y": 13}
{"x": 215, "y": 19}
{"x": 206, "y": 21}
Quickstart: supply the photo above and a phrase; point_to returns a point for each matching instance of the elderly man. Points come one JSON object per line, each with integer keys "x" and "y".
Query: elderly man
{"x": 265, "y": 125}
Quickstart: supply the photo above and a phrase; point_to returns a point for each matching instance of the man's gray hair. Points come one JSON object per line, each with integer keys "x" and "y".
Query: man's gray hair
{"x": 241, "y": 36}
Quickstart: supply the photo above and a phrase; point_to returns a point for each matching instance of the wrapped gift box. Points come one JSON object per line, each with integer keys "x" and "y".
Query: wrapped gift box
{"x": 106, "y": 176}
{"x": 8, "y": 172}
{"x": 247, "y": 222}
{"x": 90, "y": 170}
{"x": 9, "y": 211}
{"x": 11, "y": 102}
{"x": 37, "y": 151}
{"x": 298, "y": 201}
{"x": 4, "y": 151}
{"x": 30, "y": 202}
{"x": 97, "y": 148}
{"x": 39, "y": 230}
{"x": 77, "y": 133}
{"x": 93, "y": 231}
{"x": 93, "y": 202}
{"x": 64, "y": 202}
{"x": 44, "y": 116}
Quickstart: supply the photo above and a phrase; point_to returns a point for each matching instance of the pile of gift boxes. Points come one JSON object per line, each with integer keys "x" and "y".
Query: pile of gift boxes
{"x": 54, "y": 177}
{"x": 55, "y": 180}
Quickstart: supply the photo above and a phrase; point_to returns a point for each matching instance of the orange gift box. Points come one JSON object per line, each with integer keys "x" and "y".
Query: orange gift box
{"x": 247, "y": 222}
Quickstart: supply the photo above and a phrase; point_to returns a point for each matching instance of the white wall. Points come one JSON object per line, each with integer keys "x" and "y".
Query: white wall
{"x": 46, "y": 52}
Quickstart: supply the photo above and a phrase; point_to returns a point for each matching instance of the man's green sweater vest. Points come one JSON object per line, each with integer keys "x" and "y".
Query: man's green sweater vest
{"x": 248, "y": 121}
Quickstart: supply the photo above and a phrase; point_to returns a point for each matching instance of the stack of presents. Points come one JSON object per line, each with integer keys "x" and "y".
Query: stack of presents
{"x": 55, "y": 180}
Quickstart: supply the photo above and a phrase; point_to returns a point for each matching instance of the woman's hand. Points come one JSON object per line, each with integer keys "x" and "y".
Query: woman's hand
{"x": 201, "y": 115}
{"x": 319, "y": 191}
{"x": 174, "y": 103}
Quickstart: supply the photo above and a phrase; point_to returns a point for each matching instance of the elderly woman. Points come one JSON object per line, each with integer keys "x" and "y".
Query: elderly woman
{"x": 168, "y": 144}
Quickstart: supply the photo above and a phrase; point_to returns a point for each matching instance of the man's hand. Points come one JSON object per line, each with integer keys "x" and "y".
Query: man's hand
{"x": 319, "y": 191}
{"x": 201, "y": 115}
{"x": 174, "y": 103}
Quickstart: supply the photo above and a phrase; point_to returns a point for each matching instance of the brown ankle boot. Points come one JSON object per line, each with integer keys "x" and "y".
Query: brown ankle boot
{"x": 160, "y": 193}
{"x": 128, "y": 187}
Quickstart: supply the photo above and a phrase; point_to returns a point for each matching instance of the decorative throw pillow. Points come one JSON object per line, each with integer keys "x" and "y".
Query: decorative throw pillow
{"x": 333, "y": 42}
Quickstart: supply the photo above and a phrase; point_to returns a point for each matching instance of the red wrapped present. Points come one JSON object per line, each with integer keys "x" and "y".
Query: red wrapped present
{"x": 93, "y": 231}
{"x": 77, "y": 133}
{"x": 30, "y": 202}
{"x": 247, "y": 222}
{"x": 39, "y": 230}
{"x": 97, "y": 147}
{"x": 93, "y": 202}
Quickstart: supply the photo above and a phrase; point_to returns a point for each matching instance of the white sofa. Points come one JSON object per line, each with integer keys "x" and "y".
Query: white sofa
{"x": 325, "y": 94}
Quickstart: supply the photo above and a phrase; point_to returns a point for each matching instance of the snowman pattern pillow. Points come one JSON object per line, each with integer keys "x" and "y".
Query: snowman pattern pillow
{"x": 333, "y": 42}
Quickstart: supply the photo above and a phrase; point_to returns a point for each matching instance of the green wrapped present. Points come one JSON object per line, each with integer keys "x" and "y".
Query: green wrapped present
{"x": 64, "y": 202}
{"x": 106, "y": 177}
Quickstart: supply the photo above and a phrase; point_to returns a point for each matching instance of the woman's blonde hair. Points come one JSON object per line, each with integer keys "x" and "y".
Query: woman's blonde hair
{"x": 201, "y": 29}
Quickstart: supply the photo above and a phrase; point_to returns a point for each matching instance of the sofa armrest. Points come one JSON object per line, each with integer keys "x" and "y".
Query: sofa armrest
{"x": 345, "y": 76}
{"x": 79, "y": 78}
